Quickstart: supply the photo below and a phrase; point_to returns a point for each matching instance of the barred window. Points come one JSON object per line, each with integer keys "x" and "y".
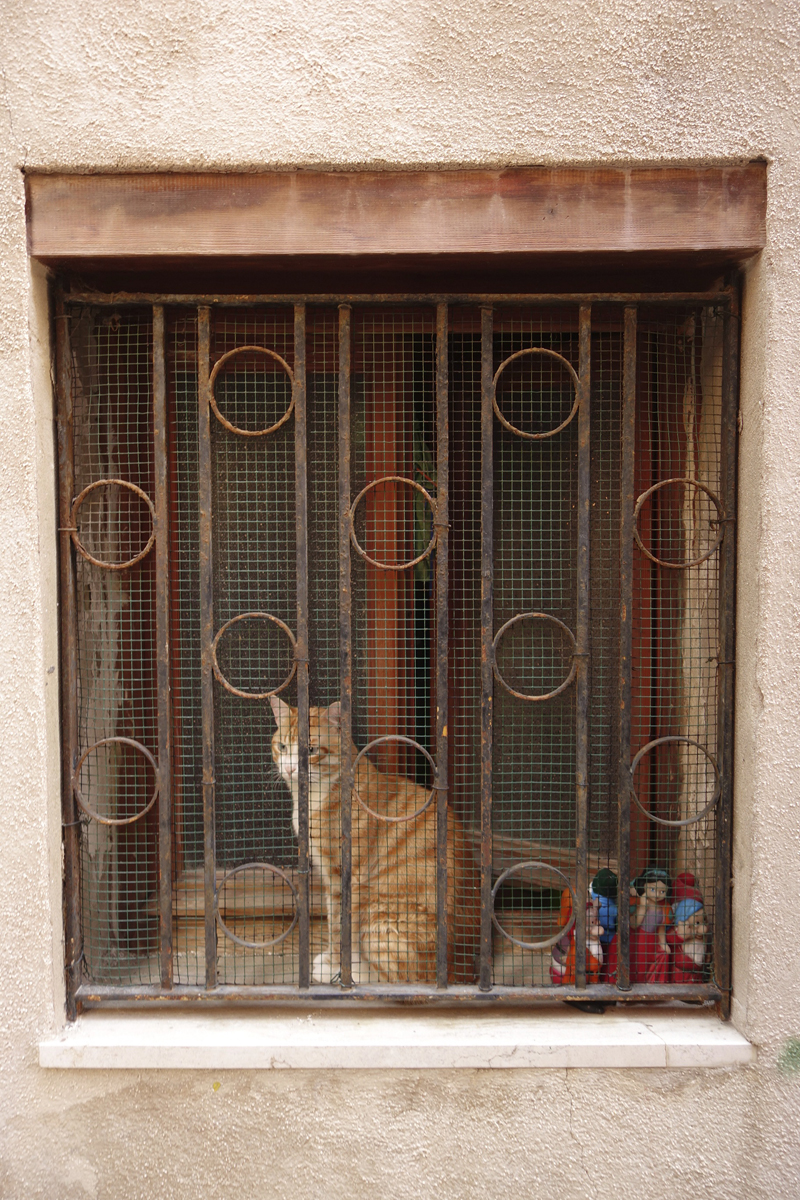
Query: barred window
{"x": 397, "y": 646}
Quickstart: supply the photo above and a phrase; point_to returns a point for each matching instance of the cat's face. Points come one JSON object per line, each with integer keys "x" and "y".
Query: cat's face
{"x": 323, "y": 749}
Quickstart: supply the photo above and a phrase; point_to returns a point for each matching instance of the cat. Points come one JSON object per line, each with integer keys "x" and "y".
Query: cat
{"x": 393, "y": 892}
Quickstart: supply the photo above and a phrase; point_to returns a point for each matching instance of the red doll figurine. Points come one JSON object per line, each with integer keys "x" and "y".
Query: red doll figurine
{"x": 650, "y": 917}
{"x": 689, "y": 932}
{"x": 650, "y": 952}
{"x": 651, "y": 913}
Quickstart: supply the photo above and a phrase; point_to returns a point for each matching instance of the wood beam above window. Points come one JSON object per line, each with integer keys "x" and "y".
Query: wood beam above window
{"x": 536, "y": 211}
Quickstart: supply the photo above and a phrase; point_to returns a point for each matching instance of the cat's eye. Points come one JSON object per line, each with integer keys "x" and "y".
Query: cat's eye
{"x": 282, "y": 747}
{"x": 313, "y": 749}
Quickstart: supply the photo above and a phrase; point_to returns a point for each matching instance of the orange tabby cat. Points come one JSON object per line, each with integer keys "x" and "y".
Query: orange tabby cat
{"x": 393, "y": 863}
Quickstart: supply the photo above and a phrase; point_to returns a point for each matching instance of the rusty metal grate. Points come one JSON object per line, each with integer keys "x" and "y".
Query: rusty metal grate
{"x": 490, "y": 542}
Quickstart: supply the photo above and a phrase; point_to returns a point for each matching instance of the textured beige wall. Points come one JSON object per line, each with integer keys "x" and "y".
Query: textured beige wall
{"x": 188, "y": 84}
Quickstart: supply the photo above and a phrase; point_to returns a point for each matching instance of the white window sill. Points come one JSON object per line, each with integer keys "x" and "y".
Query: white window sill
{"x": 254, "y": 1039}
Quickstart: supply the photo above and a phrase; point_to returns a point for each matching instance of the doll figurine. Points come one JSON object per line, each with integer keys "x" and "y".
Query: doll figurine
{"x": 562, "y": 958}
{"x": 594, "y": 939}
{"x": 650, "y": 916}
{"x": 560, "y": 951}
{"x": 688, "y": 934}
{"x": 652, "y": 912}
{"x": 604, "y": 889}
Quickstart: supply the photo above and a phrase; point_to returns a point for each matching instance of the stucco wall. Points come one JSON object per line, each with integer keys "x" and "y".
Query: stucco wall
{"x": 191, "y": 84}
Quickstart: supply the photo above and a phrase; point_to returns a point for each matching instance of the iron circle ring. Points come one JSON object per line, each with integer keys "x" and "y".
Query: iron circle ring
{"x": 412, "y": 562}
{"x": 695, "y": 562}
{"x": 539, "y": 617}
{"x": 218, "y": 365}
{"x": 576, "y": 383}
{"x": 551, "y": 941}
{"x": 686, "y": 741}
{"x": 270, "y": 869}
{"x": 98, "y": 562}
{"x": 406, "y": 741}
{"x": 238, "y": 691}
{"x": 76, "y": 774}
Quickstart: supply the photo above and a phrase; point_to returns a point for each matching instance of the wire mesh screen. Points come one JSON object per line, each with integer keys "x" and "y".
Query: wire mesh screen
{"x": 187, "y": 823}
{"x": 535, "y": 565}
{"x": 676, "y": 660}
{"x": 253, "y": 553}
{"x": 115, "y": 642}
{"x": 324, "y": 528}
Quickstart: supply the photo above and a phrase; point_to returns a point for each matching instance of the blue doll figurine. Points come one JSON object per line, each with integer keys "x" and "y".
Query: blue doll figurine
{"x": 604, "y": 889}
{"x": 688, "y": 934}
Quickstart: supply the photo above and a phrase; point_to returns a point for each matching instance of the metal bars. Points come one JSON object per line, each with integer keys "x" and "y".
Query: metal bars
{"x": 487, "y": 640}
{"x": 301, "y": 648}
{"x": 442, "y": 527}
{"x": 345, "y": 644}
{"x": 727, "y": 586}
{"x": 582, "y": 640}
{"x": 638, "y": 400}
{"x": 626, "y": 640}
{"x": 69, "y": 664}
{"x": 207, "y": 641}
{"x": 161, "y": 530}
{"x": 225, "y": 300}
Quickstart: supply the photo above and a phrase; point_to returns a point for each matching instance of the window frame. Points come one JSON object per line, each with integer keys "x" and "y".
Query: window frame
{"x": 88, "y": 995}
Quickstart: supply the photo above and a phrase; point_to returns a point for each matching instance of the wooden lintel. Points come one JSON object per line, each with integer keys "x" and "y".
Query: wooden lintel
{"x": 527, "y": 211}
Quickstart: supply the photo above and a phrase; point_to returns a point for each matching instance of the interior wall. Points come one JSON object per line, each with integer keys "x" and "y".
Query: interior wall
{"x": 188, "y": 86}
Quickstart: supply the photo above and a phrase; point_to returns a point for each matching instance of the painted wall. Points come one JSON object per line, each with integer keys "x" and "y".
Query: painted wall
{"x": 157, "y": 84}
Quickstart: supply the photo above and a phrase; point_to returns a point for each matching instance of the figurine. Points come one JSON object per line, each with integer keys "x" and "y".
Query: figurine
{"x": 689, "y": 932}
{"x": 562, "y": 958}
{"x": 652, "y": 914}
{"x": 594, "y": 939}
{"x": 604, "y": 889}
{"x": 558, "y": 955}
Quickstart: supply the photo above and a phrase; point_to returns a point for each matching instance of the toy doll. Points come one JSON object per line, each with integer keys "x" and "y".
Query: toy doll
{"x": 688, "y": 933}
{"x": 650, "y": 916}
{"x": 604, "y": 889}
{"x": 562, "y": 958}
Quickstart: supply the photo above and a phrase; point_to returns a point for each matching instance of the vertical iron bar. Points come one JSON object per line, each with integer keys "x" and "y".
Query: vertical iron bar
{"x": 442, "y": 637}
{"x": 69, "y": 659}
{"x": 207, "y": 637}
{"x": 727, "y": 628}
{"x": 301, "y": 651}
{"x": 345, "y": 639}
{"x": 626, "y": 646}
{"x": 487, "y": 636}
{"x": 582, "y": 637}
{"x": 161, "y": 504}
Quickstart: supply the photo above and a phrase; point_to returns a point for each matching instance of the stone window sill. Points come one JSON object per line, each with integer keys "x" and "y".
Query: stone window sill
{"x": 554, "y": 1038}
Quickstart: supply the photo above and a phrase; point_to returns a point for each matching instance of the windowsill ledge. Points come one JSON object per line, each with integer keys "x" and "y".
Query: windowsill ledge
{"x": 254, "y": 1039}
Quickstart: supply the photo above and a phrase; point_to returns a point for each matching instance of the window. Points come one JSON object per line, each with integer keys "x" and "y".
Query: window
{"x": 488, "y": 538}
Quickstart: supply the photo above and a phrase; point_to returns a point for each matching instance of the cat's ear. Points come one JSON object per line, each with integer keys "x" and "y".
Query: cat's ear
{"x": 280, "y": 711}
{"x": 334, "y": 713}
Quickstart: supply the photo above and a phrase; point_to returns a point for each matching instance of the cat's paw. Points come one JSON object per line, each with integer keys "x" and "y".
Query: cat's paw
{"x": 322, "y": 969}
